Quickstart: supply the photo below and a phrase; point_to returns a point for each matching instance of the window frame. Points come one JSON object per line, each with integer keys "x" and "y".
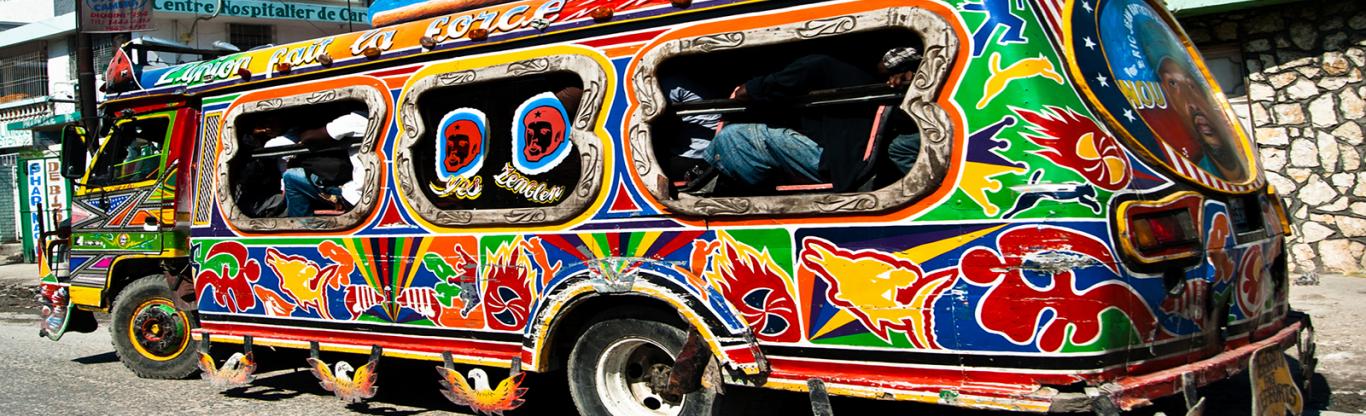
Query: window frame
{"x": 587, "y": 145}
{"x": 170, "y": 117}
{"x": 941, "y": 50}
{"x": 376, "y": 109}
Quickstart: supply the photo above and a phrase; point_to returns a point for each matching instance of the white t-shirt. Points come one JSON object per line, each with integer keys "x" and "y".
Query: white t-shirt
{"x": 344, "y": 127}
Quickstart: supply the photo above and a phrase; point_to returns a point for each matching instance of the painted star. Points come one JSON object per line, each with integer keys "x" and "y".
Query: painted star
{"x": 1129, "y": 114}
{"x": 1104, "y": 82}
{"x": 1087, "y": 6}
{"x": 1089, "y": 43}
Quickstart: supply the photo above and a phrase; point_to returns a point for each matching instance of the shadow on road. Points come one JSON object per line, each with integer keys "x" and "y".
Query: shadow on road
{"x": 405, "y": 386}
{"x": 102, "y": 358}
{"x": 409, "y": 387}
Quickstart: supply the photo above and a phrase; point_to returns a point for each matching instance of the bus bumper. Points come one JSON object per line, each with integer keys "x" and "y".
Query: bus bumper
{"x": 1135, "y": 391}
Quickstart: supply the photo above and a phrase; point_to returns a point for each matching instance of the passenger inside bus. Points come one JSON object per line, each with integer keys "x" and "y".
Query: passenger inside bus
{"x": 821, "y": 122}
{"x": 297, "y": 163}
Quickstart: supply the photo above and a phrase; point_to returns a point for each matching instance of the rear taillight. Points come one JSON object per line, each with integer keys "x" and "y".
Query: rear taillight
{"x": 1163, "y": 230}
{"x": 1163, "y": 233}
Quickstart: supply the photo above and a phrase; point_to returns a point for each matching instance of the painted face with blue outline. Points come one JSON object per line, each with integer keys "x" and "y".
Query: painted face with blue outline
{"x": 540, "y": 134}
{"x": 460, "y": 148}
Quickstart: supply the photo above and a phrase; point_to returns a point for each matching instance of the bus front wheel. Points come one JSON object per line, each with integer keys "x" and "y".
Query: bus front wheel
{"x": 620, "y": 366}
{"x": 150, "y": 336}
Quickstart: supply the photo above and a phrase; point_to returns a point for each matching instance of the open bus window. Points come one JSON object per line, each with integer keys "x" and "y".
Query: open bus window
{"x": 512, "y": 147}
{"x": 800, "y": 120}
{"x": 132, "y": 152}
{"x": 302, "y": 162}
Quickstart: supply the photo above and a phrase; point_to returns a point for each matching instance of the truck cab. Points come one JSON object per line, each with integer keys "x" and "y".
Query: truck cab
{"x": 126, "y": 242}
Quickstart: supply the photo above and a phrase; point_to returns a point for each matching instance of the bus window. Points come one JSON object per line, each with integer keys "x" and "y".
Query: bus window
{"x": 132, "y": 153}
{"x": 508, "y": 148}
{"x": 297, "y": 160}
{"x": 766, "y": 121}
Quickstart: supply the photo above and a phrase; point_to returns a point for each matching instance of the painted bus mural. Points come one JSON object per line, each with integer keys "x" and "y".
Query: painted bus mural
{"x": 1035, "y": 205}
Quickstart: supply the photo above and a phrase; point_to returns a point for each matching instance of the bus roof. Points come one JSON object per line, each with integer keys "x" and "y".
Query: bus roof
{"x": 497, "y": 22}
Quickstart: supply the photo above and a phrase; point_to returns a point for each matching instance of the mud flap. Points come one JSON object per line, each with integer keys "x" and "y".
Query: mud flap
{"x": 1273, "y": 389}
{"x": 351, "y": 385}
{"x": 182, "y": 291}
{"x": 239, "y": 370}
{"x": 480, "y": 397}
{"x": 1309, "y": 363}
{"x": 1195, "y": 405}
{"x": 820, "y": 398}
{"x": 1102, "y": 403}
{"x": 688, "y": 369}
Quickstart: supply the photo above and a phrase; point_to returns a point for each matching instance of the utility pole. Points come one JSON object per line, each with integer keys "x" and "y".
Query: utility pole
{"x": 85, "y": 80}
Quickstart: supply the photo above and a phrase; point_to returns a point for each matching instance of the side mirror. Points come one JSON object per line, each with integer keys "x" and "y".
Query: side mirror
{"x": 73, "y": 152}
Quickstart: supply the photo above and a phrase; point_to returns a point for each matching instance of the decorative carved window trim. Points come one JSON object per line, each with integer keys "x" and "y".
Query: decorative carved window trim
{"x": 376, "y": 109}
{"x": 936, "y": 127}
{"x": 586, "y": 143}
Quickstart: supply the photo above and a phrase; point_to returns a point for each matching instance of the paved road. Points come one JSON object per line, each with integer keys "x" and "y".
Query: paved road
{"x": 81, "y": 375}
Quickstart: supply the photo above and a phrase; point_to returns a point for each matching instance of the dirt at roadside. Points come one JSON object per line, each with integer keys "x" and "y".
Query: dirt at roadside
{"x": 19, "y": 298}
{"x": 1338, "y": 305}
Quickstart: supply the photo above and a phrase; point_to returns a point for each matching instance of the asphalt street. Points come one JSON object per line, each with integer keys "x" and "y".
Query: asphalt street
{"x": 80, "y": 375}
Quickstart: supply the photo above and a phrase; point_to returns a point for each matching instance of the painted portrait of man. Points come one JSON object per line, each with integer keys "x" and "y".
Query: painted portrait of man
{"x": 1161, "y": 81}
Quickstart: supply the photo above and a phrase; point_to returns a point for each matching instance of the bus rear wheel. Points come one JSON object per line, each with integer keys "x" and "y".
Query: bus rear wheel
{"x": 620, "y": 366}
{"x": 150, "y": 336}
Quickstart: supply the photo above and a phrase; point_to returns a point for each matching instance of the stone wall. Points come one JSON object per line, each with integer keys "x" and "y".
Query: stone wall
{"x": 1304, "y": 100}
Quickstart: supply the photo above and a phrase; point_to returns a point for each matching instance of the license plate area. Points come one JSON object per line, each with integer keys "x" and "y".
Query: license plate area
{"x": 1246, "y": 213}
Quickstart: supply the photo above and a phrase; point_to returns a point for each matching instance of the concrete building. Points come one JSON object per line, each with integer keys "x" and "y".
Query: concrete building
{"x": 38, "y": 69}
{"x": 1294, "y": 72}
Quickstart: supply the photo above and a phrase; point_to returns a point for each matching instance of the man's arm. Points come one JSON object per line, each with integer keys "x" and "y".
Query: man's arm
{"x": 351, "y": 125}
{"x": 793, "y": 81}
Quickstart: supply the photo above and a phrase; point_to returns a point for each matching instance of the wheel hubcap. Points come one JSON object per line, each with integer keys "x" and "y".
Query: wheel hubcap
{"x": 630, "y": 375}
{"x": 158, "y": 330}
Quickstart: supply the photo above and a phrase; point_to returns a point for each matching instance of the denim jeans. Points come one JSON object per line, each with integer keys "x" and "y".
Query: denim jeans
{"x": 302, "y": 189}
{"x": 761, "y": 155}
{"x": 903, "y": 150}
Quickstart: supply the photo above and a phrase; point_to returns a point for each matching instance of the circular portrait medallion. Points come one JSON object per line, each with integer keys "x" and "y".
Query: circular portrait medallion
{"x": 1142, "y": 75}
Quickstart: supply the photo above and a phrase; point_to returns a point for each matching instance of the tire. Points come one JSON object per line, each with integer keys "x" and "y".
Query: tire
{"x": 607, "y": 360}
{"x": 150, "y": 336}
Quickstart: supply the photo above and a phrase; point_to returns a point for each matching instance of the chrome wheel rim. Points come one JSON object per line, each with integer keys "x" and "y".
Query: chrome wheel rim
{"x": 630, "y": 375}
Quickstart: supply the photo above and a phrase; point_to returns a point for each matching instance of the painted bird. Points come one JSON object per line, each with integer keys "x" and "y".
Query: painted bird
{"x": 359, "y": 386}
{"x": 481, "y": 398}
{"x": 236, "y": 371}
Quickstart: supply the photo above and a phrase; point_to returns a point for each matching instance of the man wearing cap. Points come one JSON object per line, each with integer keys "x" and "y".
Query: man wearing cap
{"x": 825, "y": 145}
{"x": 323, "y": 176}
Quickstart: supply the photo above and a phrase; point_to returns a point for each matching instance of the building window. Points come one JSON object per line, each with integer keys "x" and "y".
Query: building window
{"x": 890, "y": 145}
{"x": 1225, "y": 63}
{"x": 102, "y": 47}
{"x": 273, "y": 146}
{"x": 23, "y": 74}
{"x": 247, "y": 36}
{"x": 503, "y": 144}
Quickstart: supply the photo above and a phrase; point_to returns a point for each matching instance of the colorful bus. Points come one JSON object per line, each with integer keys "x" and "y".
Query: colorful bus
{"x": 1040, "y": 205}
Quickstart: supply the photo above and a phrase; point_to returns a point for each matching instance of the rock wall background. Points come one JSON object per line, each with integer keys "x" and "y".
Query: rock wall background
{"x": 1304, "y": 101}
